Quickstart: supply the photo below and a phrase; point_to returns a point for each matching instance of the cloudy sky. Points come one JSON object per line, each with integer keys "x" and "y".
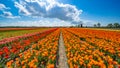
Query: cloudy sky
{"x": 58, "y": 12}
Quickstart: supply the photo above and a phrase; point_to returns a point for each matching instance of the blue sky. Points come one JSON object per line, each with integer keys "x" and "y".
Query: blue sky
{"x": 58, "y": 12}
{"x": 104, "y": 11}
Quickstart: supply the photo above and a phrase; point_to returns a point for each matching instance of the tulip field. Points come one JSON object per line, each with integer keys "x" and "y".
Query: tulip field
{"x": 42, "y": 48}
{"x": 92, "y": 48}
{"x": 12, "y": 32}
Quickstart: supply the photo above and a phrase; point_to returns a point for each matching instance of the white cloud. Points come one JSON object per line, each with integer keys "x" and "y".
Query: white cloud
{"x": 49, "y": 9}
{"x": 22, "y": 9}
{"x": 8, "y": 14}
{"x": 42, "y": 22}
{"x": 3, "y": 7}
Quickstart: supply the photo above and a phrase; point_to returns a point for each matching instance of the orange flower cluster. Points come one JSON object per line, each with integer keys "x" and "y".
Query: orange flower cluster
{"x": 113, "y": 36}
{"x": 40, "y": 55}
{"x": 92, "y": 48}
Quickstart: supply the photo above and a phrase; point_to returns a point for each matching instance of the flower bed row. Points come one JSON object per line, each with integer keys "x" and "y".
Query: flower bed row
{"x": 82, "y": 52}
{"x": 40, "y": 55}
{"x": 13, "y": 32}
{"x": 8, "y": 40}
{"x": 11, "y": 49}
{"x": 113, "y": 36}
{"x": 107, "y": 46}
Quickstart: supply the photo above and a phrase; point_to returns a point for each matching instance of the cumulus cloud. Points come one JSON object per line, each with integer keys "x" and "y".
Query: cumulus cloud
{"x": 22, "y": 9}
{"x": 6, "y": 13}
{"x": 49, "y": 9}
{"x": 3, "y": 7}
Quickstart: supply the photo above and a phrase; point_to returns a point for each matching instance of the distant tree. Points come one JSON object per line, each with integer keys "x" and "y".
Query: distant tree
{"x": 98, "y": 24}
{"x": 119, "y": 26}
{"x": 81, "y": 25}
{"x": 116, "y": 25}
{"x": 110, "y": 25}
{"x": 95, "y": 25}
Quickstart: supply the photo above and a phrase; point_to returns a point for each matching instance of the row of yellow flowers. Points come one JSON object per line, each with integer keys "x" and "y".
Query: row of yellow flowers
{"x": 40, "y": 55}
{"x": 88, "y": 50}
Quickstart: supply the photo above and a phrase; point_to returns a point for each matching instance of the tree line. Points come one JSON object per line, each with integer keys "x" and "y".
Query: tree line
{"x": 98, "y": 25}
{"x": 110, "y": 25}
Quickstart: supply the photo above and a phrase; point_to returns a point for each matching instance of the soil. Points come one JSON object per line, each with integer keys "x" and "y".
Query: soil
{"x": 62, "y": 61}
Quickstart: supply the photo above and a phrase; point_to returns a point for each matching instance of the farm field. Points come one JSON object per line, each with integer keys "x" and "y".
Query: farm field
{"x": 59, "y": 48}
{"x": 12, "y": 32}
{"x": 107, "y": 29}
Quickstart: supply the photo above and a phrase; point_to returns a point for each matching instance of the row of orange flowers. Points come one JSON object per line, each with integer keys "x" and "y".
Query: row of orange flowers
{"x": 109, "y": 47}
{"x": 113, "y": 36}
{"x": 85, "y": 50}
{"x": 40, "y": 55}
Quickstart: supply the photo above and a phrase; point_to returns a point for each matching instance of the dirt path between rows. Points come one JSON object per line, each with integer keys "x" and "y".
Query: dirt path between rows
{"x": 62, "y": 61}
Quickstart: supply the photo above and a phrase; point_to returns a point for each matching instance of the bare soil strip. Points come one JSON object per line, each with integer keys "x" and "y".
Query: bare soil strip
{"x": 62, "y": 61}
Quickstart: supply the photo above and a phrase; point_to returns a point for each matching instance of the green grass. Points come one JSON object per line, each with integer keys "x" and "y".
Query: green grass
{"x": 13, "y": 33}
